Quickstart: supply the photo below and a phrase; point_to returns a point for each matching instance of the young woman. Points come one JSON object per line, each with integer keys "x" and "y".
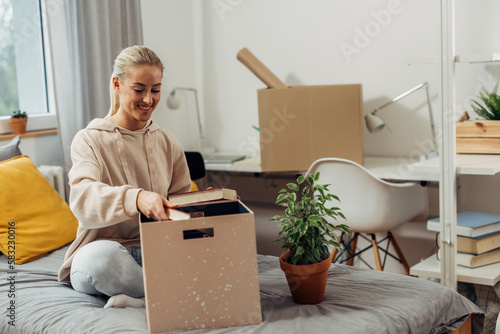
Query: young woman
{"x": 123, "y": 165}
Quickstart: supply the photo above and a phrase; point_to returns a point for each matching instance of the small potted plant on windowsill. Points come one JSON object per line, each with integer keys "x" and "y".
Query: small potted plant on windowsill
{"x": 307, "y": 237}
{"x": 18, "y": 121}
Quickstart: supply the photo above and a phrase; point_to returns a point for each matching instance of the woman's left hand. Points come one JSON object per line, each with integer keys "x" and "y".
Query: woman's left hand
{"x": 153, "y": 205}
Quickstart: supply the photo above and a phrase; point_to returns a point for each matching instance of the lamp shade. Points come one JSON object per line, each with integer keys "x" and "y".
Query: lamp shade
{"x": 374, "y": 123}
{"x": 173, "y": 102}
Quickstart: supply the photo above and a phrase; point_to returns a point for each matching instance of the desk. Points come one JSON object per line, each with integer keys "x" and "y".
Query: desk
{"x": 389, "y": 168}
{"x": 392, "y": 168}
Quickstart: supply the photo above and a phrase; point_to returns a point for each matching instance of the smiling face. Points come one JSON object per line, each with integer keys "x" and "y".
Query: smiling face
{"x": 140, "y": 93}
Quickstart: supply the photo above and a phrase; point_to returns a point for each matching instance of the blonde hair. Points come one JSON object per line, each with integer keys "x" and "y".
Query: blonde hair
{"x": 128, "y": 58}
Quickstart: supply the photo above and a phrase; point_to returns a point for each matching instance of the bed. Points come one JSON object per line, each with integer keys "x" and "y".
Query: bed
{"x": 357, "y": 300}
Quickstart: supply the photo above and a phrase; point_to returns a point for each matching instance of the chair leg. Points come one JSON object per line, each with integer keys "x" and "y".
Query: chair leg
{"x": 400, "y": 254}
{"x": 376, "y": 253}
{"x": 335, "y": 250}
{"x": 354, "y": 241}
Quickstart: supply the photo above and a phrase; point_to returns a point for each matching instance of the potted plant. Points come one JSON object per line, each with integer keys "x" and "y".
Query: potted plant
{"x": 487, "y": 104}
{"x": 481, "y": 135}
{"x": 18, "y": 121}
{"x": 307, "y": 237}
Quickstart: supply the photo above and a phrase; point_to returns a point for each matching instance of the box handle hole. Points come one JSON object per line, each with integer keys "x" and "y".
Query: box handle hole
{"x": 198, "y": 234}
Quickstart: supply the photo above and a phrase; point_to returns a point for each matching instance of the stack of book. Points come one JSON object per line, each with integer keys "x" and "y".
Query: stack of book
{"x": 204, "y": 195}
{"x": 478, "y": 238}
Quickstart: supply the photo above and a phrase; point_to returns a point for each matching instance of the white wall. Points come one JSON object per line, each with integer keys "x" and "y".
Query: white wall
{"x": 316, "y": 42}
{"x": 42, "y": 150}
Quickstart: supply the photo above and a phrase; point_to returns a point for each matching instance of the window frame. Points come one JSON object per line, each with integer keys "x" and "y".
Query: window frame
{"x": 42, "y": 121}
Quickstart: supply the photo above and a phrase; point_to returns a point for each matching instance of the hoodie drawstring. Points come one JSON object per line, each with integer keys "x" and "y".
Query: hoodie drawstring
{"x": 123, "y": 156}
{"x": 151, "y": 164}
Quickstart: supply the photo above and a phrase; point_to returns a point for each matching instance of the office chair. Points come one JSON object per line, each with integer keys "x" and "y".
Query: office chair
{"x": 196, "y": 166}
{"x": 371, "y": 206}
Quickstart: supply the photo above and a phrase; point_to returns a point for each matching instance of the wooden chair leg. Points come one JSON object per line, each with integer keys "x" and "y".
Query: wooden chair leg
{"x": 354, "y": 242}
{"x": 335, "y": 250}
{"x": 399, "y": 253}
{"x": 376, "y": 253}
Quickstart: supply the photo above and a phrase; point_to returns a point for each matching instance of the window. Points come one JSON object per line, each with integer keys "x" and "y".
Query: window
{"x": 22, "y": 62}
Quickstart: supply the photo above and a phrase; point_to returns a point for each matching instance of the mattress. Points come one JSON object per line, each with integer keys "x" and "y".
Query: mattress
{"x": 357, "y": 300}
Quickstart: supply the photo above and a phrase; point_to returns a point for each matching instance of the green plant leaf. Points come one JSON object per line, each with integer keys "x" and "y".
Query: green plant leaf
{"x": 316, "y": 254}
{"x": 306, "y": 191}
{"x": 304, "y": 229}
{"x": 281, "y": 197}
{"x": 344, "y": 228}
{"x": 313, "y": 222}
{"x": 487, "y": 104}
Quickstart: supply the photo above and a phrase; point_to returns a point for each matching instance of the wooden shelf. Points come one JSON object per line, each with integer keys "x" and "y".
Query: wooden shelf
{"x": 49, "y": 132}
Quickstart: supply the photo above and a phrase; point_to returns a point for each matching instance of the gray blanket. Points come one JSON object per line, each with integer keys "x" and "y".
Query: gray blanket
{"x": 357, "y": 301}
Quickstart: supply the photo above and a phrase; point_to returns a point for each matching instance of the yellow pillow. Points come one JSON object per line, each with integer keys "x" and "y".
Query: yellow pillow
{"x": 34, "y": 219}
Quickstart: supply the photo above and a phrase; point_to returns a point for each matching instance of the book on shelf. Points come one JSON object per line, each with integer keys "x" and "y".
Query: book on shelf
{"x": 471, "y": 224}
{"x": 474, "y": 261}
{"x": 476, "y": 245}
{"x": 204, "y": 195}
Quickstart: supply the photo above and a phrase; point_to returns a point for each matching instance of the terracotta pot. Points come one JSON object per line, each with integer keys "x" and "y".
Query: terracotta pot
{"x": 19, "y": 125}
{"x": 307, "y": 283}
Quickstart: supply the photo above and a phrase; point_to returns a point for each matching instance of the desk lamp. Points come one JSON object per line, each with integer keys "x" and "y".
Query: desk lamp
{"x": 173, "y": 103}
{"x": 374, "y": 123}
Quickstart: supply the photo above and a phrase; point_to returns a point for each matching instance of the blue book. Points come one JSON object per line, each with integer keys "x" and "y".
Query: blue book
{"x": 471, "y": 224}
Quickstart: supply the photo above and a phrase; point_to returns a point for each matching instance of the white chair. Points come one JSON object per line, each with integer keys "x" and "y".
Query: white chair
{"x": 371, "y": 205}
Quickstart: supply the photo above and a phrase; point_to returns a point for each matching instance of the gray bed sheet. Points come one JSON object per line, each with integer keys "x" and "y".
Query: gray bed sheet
{"x": 357, "y": 301}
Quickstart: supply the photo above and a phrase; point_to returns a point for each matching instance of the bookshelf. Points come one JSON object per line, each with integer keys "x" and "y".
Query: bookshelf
{"x": 450, "y": 165}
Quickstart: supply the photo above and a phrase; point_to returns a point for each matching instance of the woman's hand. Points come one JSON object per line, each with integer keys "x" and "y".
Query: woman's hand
{"x": 153, "y": 205}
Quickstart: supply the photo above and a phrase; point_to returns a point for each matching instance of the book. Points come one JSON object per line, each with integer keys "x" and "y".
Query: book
{"x": 477, "y": 245}
{"x": 177, "y": 215}
{"x": 203, "y": 195}
{"x": 471, "y": 224}
{"x": 474, "y": 261}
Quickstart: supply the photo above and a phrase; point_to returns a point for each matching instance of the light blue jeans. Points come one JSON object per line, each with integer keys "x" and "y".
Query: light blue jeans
{"x": 105, "y": 267}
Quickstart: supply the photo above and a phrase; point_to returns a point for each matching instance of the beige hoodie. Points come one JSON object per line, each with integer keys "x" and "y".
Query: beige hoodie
{"x": 110, "y": 166}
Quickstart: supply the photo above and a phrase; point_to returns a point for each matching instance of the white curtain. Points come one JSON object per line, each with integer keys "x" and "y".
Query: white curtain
{"x": 83, "y": 38}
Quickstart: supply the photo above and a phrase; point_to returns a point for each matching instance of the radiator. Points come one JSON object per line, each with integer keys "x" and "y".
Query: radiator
{"x": 55, "y": 176}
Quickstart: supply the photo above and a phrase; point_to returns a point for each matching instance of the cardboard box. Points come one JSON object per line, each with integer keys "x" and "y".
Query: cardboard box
{"x": 201, "y": 272}
{"x": 301, "y": 124}
{"x": 479, "y": 137}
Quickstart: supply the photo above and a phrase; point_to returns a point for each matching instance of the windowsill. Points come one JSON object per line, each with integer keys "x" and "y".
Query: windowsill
{"x": 30, "y": 134}
{"x": 36, "y": 123}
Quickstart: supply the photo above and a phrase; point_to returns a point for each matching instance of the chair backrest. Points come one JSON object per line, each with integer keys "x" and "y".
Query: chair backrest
{"x": 370, "y": 204}
{"x": 196, "y": 165}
